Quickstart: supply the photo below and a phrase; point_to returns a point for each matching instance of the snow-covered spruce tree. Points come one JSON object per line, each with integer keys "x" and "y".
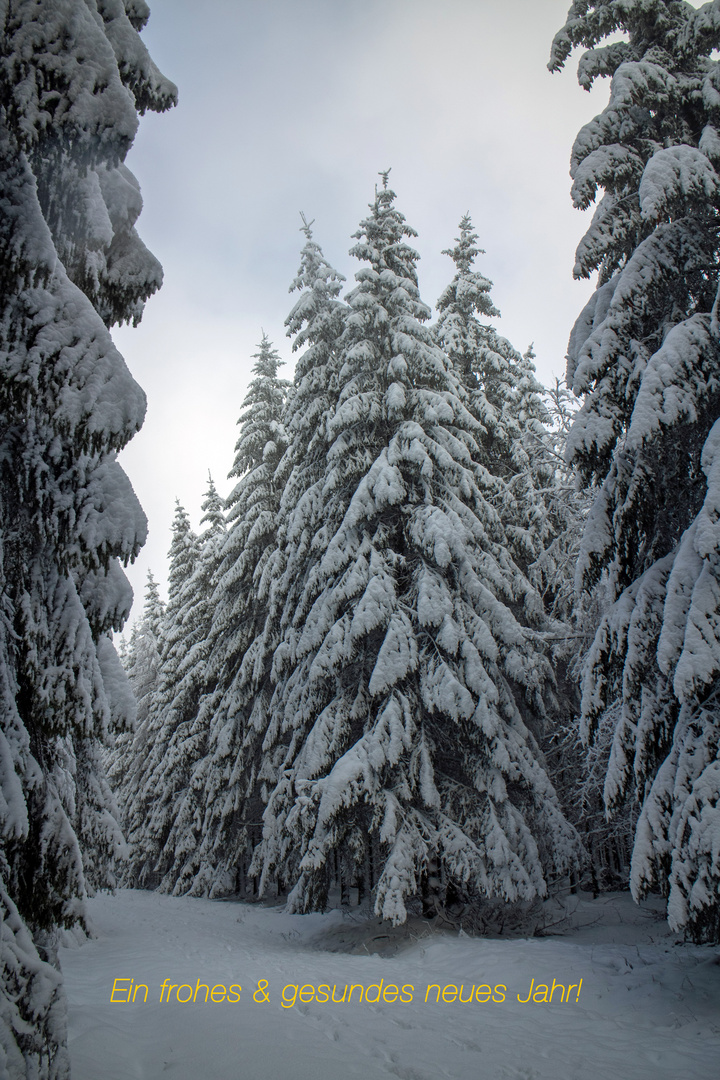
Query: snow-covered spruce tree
{"x": 554, "y": 570}
{"x": 126, "y": 761}
{"x": 73, "y": 75}
{"x": 520, "y": 447}
{"x": 150, "y": 815}
{"x": 143, "y": 655}
{"x": 315, "y": 325}
{"x": 401, "y": 690}
{"x": 184, "y": 771}
{"x": 465, "y": 339}
{"x": 32, "y": 1016}
{"x": 315, "y": 322}
{"x": 645, "y": 356}
{"x": 505, "y": 396}
{"x": 237, "y": 660}
{"x": 577, "y": 771}
{"x": 213, "y": 518}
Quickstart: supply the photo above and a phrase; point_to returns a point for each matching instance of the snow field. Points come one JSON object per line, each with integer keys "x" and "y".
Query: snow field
{"x": 648, "y": 1007}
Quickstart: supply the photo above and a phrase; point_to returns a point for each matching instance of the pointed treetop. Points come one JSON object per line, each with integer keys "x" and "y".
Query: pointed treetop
{"x": 383, "y": 206}
{"x": 181, "y": 520}
{"x": 381, "y": 243}
{"x": 153, "y": 608}
{"x": 320, "y": 284}
{"x": 183, "y": 552}
{"x": 262, "y": 408}
{"x": 469, "y": 291}
{"x": 267, "y": 360}
{"x": 152, "y": 593}
{"x": 213, "y": 507}
{"x": 465, "y": 250}
{"x": 306, "y": 226}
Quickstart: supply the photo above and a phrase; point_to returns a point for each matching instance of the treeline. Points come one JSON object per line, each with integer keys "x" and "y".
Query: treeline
{"x": 399, "y": 613}
{"x": 352, "y": 680}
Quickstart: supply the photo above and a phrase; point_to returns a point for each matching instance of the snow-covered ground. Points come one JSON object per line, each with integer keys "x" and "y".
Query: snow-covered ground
{"x": 648, "y": 1007}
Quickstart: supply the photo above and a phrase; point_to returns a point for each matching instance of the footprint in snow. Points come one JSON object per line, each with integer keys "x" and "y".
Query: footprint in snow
{"x": 406, "y": 1072}
{"x": 521, "y": 1074}
{"x": 402, "y": 1024}
{"x": 468, "y": 1044}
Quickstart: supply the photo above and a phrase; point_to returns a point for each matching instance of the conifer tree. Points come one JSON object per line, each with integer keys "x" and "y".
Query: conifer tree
{"x": 127, "y": 760}
{"x": 73, "y": 75}
{"x": 644, "y": 355}
{"x": 184, "y": 772}
{"x": 403, "y": 675}
{"x": 237, "y": 659}
{"x": 315, "y": 322}
{"x": 463, "y": 336}
{"x": 143, "y": 659}
{"x": 213, "y": 518}
{"x": 154, "y": 803}
{"x": 505, "y": 397}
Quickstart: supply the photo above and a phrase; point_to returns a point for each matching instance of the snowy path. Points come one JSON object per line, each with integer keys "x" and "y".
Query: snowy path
{"x": 647, "y": 1009}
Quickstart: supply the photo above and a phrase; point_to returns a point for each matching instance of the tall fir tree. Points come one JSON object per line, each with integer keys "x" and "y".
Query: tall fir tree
{"x": 315, "y": 322}
{"x": 213, "y": 516}
{"x": 184, "y": 773}
{"x": 644, "y": 356}
{"x": 73, "y": 76}
{"x": 128, "y": 757}
{"x": 154, "y": 802}
{"x": 237, "y": 660}
{"x": 143, "y": 657}
{"x": 403, "y": 674}
{"x": 506, "y": 398}
{"x": 533, "y": 489}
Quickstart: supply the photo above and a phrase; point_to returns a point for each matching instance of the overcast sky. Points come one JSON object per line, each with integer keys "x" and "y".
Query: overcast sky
{"x": 288, "y": 106}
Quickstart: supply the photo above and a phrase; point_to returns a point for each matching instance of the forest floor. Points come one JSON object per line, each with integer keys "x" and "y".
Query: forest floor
{"x": 648, "y": 1007}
